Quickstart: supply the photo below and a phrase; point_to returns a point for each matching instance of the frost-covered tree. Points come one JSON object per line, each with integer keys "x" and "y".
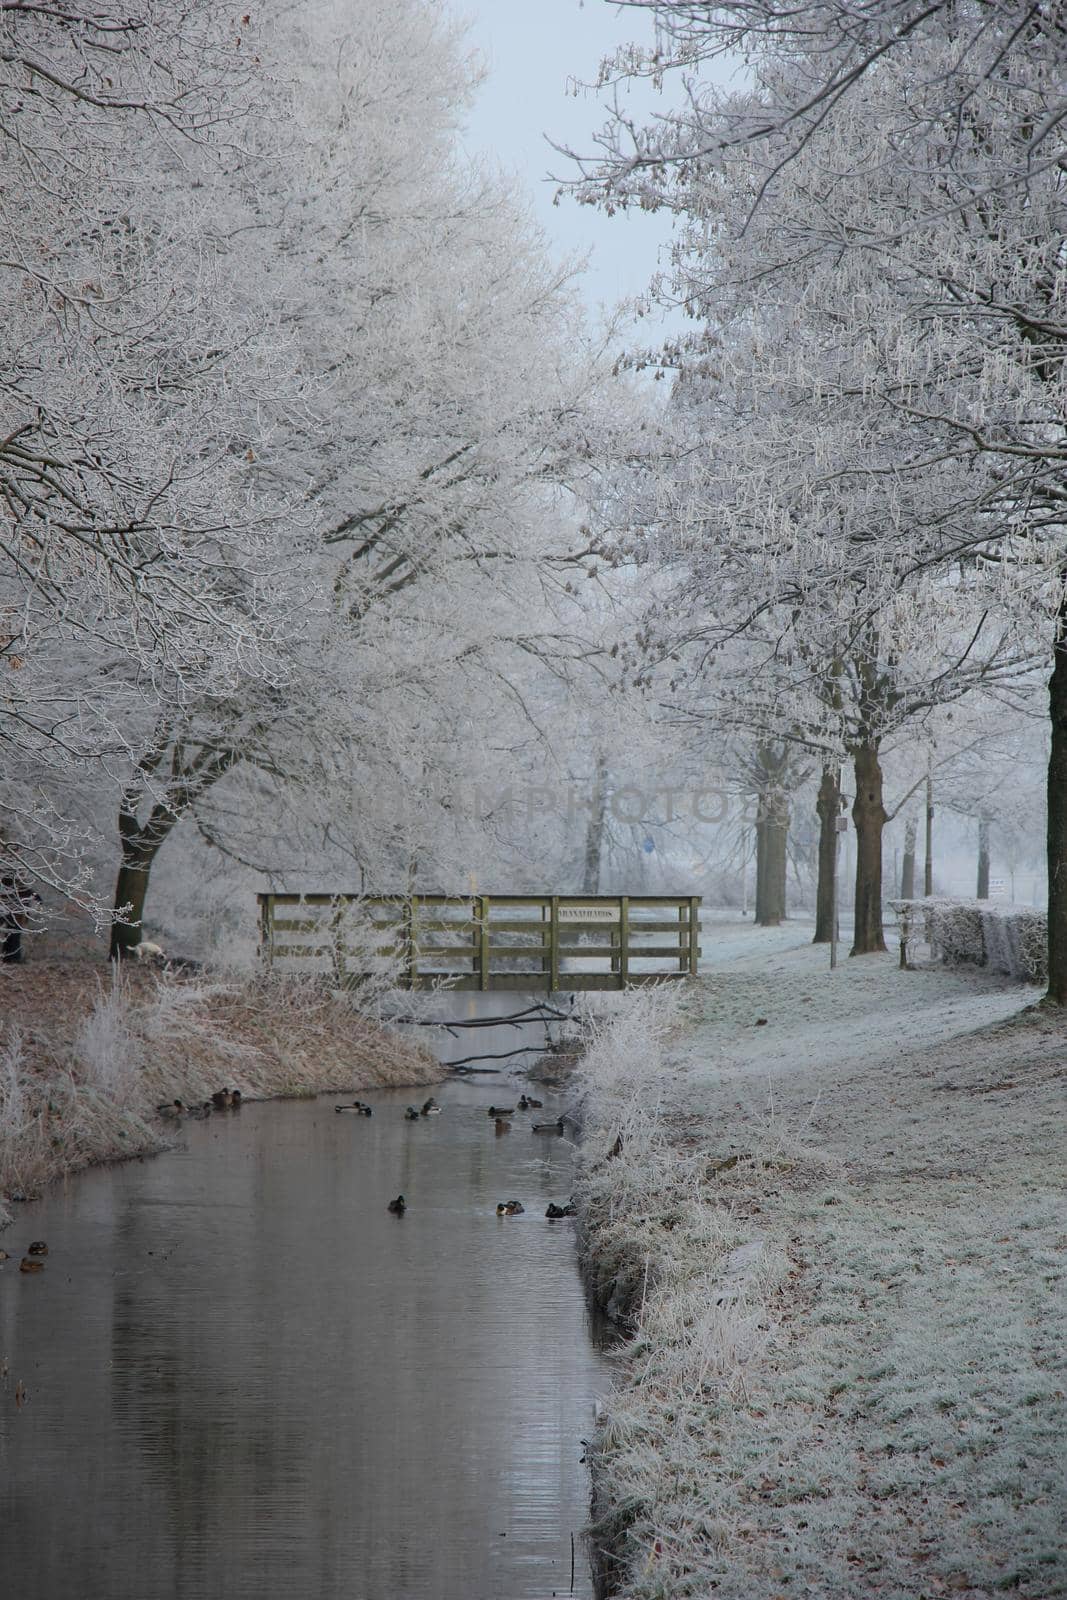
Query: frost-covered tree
{"x": 918, "y": 230}
{"x": 139, "y": 565}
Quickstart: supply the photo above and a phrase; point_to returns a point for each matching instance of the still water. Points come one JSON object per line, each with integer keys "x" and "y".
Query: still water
{"x": 245, "y": 1378}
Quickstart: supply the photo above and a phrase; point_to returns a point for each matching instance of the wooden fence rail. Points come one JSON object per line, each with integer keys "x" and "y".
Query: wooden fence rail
{"x": 490, "y": 941}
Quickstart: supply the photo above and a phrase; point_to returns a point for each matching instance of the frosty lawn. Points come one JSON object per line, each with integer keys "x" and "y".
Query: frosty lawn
{"x": 839, "y": 1233}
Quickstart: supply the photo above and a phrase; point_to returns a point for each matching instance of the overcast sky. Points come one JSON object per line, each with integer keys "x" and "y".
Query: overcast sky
{"x": 536, "y": 51}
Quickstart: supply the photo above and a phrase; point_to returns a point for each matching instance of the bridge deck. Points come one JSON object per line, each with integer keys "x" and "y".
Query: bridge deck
{"x": 524, "y": 942}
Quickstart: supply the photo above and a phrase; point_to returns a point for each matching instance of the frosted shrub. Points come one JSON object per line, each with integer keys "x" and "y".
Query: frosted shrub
{"x": 1008, "y": 939}
{"x": 12, "y": 1098}
{"x": 955, "y": 932}
{"x": 1026, "y": 941}
{"x": 104, "y": 1047}
{"x": 624, "y": 1060}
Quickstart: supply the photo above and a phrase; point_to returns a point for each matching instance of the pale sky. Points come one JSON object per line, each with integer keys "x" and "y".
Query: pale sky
{"x": 536, "y": 50}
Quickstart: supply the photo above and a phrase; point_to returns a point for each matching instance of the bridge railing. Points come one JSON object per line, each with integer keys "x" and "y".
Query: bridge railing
{"x": 524, "y": 941}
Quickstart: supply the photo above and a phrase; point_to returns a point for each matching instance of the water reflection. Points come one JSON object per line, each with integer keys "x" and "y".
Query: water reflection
{"x": 246, "y": 1378}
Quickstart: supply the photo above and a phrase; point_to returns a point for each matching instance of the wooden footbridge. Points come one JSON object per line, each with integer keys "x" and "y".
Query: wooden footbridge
{"x": 490, "y": 941}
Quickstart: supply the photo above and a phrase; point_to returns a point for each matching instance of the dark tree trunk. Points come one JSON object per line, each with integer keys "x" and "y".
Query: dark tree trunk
{"x": 772, "y": 833}
{"x": 869, "y": 815}
{"x": 594, "y": 831}
{"x": 828, "y": 809}
{"x": 131, "y": 890}
{"x": 189, "y": 777}
{"x": 140, "y": 845}
{"x": 1057, "y": 817}
{"x": 907, "y": 866}
{"x": 983, "y": 858}
{"x": 928, "y": 870}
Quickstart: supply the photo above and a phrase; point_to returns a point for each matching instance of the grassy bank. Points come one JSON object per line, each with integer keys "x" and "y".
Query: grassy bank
{"x": 843, "y": 1275}
{"x": 86, "y": 1054}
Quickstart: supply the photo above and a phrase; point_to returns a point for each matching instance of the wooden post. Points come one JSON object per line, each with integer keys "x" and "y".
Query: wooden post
{"x": 683, "y": 938}
{"x": 905, "y": 930}
{"x": 624, "y": 940}
{"x": 553, "y": 940}
{"x": 413, "y": 942}
{"x": 483, "y": 944}
{"x": 337, "y": 941}
{"x": 266, "y": 929}
{"x": 694, "y": 934}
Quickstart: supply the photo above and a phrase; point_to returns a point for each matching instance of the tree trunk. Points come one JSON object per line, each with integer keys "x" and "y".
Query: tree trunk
{"x": 131, "y": 889}
{"x": 772, "y": 833}
{"x": 869, "y": 815}
{"x": 1057, "y": 817}
{"x": 907, "y": 866}
{"x": 594, "y": 830}
{"x": 828, "y": 809}
{"x": 983, "y": 858}
{"x": 928, "y": 872}
{"x": 140, "y": 845}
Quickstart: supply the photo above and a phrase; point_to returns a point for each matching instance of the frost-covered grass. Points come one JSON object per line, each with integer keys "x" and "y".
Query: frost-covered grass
{"x": 843, "y": 1271}
{"x": 86, "y": 1056}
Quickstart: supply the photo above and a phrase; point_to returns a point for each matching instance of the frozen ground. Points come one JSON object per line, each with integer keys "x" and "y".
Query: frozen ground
{"x": 849, "y": 1374}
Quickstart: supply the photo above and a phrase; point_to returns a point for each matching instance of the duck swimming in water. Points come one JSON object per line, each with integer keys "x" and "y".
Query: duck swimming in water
{"x": 397, "y": 1206}
{"x": 510, "y": 1208}
{"x": 554, "y": 1212}
{"x": 501, "y": 1111}
{"x": 222, "y": 1099}
{"x": 527, "y": 1103}
{"x": 411, "y": 1115}
{"x": 502, "y": 1125}
{"x": 548, "y": 1127}
{"x": 430, "y": 1108}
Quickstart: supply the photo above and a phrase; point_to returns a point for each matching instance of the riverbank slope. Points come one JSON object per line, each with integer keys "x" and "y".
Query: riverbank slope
{"x": 87, "y": 1053}
{"x": 837, "y": 1229}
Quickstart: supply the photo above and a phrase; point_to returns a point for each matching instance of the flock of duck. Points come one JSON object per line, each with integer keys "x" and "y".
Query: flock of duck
{"x": 31, "y": 1261}
{"x": 501, "y": 1119}
{"x": 230, "y": 1100}
{"x": 221, "y": 1100}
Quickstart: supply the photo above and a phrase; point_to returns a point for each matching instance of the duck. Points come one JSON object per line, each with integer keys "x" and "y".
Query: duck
{"x": 554, "y": 1212}
{"x": 501, "y": 1111}
{"x": 355, "y": 1109}
{"x": 528, "y": 1103}
{"x": 502, "y": 1125}
{"x": 430, "y": 1108}
{"x": 411, "y": 1115}
{"x": 171, "y": 1108}
{"x": 548, "y": 1127}
{"x": 222, "y": 1099}
{"x": 236, "y": 1099}
{"x": 204, "y": 1109}
{"x": 368, "y": 1111}
{"x": 37, "y": 1248}
{"x": 397, "y": 1206}
{"x": 26, "y": 1265}
{"x": 510, "y": 1208}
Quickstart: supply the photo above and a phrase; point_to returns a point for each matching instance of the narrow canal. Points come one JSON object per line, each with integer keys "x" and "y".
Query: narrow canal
{"x": 244, "y": 1377}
